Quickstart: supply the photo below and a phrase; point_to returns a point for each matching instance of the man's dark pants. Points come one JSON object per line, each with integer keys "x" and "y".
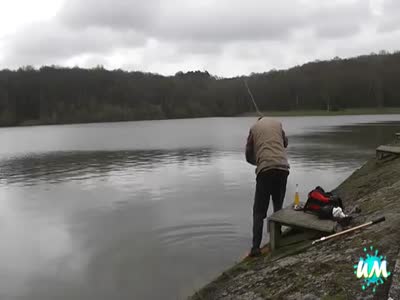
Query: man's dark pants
{"x": 271, "y": 183}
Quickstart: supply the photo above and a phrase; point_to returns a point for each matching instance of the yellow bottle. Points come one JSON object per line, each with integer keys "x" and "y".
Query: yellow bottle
{"x": 297, "y": 197}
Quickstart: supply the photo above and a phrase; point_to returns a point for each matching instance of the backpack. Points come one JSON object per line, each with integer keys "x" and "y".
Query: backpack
{"x": 322, "y": 203}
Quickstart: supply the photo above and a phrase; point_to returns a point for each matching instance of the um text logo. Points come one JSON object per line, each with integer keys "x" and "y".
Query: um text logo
{"x": 372, "y": 269}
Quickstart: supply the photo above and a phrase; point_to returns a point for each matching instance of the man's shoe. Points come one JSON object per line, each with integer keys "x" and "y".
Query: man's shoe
{"x": 255, "y": 252}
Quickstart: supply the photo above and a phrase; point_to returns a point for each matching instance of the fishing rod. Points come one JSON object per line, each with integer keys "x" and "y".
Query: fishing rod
{"x": 252, "y": 98}
{"x": 324, "y": 238}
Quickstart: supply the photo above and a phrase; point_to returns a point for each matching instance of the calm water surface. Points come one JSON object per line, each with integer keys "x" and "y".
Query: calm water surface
{"x": 149, "y": 210}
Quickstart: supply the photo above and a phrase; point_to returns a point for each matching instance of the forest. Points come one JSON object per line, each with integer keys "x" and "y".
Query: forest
{"x": 59, "y": 95}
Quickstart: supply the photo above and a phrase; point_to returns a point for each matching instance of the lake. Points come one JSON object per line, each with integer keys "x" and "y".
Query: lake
{"x": 152, "y": 209}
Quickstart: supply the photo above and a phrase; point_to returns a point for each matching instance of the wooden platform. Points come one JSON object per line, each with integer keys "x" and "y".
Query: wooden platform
{"x": 305, "y": 222}
{"x": 384, "y": 151}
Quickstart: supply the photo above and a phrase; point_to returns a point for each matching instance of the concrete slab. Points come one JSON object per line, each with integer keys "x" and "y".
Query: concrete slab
{"x": 302, "y": 220}
{"x": 389, "y": 149}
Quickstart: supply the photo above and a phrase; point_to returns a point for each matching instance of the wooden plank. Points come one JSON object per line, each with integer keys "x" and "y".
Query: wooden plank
{"x": 274, "y": 234}
{"x": 300, "y": 219}
{"x": 388, "y": 149}
{"x": 299, "y": 237}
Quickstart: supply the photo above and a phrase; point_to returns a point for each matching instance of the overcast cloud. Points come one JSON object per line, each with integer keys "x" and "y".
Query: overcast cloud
{"x": 225, "y": 37}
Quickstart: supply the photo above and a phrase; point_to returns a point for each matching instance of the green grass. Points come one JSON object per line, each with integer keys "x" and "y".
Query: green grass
{"x": 350, "y": 111}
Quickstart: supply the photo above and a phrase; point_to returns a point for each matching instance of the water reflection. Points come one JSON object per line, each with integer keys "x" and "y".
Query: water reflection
{"x": 57, "y": 167}
{"x": 358, "y": 136}
{"x": 342, "y": 147}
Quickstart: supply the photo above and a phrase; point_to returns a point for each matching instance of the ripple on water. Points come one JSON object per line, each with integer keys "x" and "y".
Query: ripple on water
{"x": 188, "y": 233}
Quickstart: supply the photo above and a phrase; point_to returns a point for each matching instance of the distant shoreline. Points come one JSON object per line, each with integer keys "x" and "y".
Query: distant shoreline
{"x": 291, "y": 113}
{"x": 345, "y": 112}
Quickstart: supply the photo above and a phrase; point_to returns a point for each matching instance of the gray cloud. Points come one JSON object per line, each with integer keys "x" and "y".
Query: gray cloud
{"x": 121, "y": 14}
{"x": 52, "y": 42}
{"x": 389, "y": 20}
{"x": 340, "y": 20}
{"x": 218, "y": 21}
{"x": 337, "y": 31}
{"x": 229, "y": 36}
{"x": 225, "y": 20}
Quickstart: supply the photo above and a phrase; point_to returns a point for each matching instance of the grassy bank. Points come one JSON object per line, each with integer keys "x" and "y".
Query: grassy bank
{"x": 325, "y": 271}
{"x": 352, "y": 111}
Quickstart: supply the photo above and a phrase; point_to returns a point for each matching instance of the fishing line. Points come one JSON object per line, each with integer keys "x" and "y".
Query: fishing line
{"x": 252, "y": 98}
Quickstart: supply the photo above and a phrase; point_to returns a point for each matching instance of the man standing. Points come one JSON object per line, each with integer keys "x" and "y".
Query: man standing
{"x": 265, "y": 149}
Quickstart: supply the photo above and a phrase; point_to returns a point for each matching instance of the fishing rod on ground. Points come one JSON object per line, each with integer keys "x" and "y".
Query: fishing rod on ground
{"x": 252, "y": 98}
{"x": 325, "y": 238}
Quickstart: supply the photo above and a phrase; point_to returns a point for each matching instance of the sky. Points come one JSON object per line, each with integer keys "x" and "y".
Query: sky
{"x": 224, "y": 37}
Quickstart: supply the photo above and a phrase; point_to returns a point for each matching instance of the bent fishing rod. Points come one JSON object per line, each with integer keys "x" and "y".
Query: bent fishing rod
{"x": 252, "y": 98}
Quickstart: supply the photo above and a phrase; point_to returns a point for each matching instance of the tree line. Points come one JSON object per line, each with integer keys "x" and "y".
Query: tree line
{"x": 53, "y": 95}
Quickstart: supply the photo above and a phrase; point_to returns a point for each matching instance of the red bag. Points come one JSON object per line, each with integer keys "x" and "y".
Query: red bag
{"x": 317, "y": 199}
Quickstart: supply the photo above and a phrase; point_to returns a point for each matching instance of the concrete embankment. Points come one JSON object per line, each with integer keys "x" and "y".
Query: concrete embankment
{"x": 326, "y": 270}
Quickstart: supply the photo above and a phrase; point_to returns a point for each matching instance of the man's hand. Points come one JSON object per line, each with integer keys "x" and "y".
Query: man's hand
{"x": 285, "y": 139}
{"x": 250, "y": 158}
